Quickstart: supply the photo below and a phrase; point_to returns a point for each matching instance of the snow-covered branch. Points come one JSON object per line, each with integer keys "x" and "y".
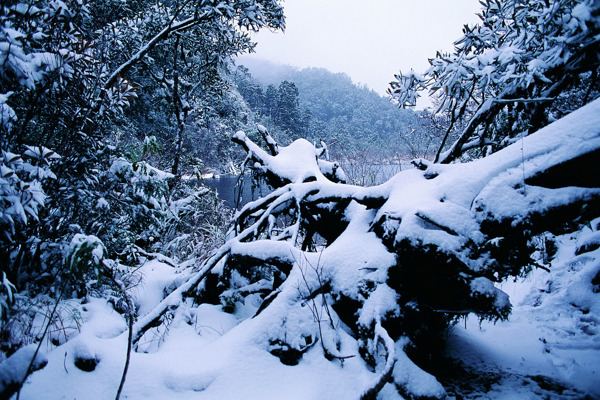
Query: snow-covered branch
{"x": 510, "y": 69}
{"x": 145, "y": 49}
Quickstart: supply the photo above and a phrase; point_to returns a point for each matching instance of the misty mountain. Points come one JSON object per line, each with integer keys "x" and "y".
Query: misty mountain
{"x": 352, "y": 119}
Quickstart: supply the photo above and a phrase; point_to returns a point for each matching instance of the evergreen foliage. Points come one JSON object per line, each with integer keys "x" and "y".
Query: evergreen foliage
{"x": 82, "y": 79}
{"x": 524, "y": 65}
{"x": 356, "y": 123}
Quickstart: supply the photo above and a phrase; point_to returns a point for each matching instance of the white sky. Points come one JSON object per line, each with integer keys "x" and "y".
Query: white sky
{"x": 370, "y": 40}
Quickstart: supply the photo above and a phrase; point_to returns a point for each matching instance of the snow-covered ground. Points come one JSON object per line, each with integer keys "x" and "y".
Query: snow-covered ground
{"x": 550, "y": 347}
{"x": 551, "y": 344}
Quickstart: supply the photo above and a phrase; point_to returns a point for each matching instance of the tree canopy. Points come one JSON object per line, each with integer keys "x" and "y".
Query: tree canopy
{"x": 526, "y": 64}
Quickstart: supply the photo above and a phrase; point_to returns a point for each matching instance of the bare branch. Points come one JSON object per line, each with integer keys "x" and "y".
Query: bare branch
{"x": 271, "y": 143}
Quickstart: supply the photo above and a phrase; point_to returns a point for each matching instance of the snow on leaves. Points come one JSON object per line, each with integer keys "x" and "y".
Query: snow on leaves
{"x": 510, "y": 69}
{"x": 21, "y": 194}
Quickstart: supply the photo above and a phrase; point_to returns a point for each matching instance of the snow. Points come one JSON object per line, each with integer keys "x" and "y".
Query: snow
{"x": 152, "y": 280}
{"x": 120, "y": 167}
{"x": 101, "y": 320}
{"x": 581, "y": 12}
{"x": 206, "y": 353}
{"x": 204, "y": 360}
{"x": 41, "y": 153}
{"x": 102, "y": 204}
{"x": 589, "y": 240}
{"x": 485, "y": 287}
{"x": 382, "y": 301}
{"x": 453, "y": 195}
{"x": 201, "y": 352}
{"x": 553, "y": 330}
{"x": 417, "y": 381}
{"x": 13, "y": 369}
{"x": 347, "y": 263}
{"x": 299, "y": 153}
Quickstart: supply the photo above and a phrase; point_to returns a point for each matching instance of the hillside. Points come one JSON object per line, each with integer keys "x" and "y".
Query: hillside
{"x": 354, "y": 121}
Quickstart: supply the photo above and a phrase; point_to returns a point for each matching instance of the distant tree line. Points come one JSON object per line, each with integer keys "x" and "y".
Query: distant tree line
{"x": 353, "y": 121}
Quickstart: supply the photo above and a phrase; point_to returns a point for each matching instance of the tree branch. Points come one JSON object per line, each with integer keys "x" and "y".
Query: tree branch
{"x": 185, "y": 24}
{"x": 371, "y": 393}
{"x": 130, "y": 311}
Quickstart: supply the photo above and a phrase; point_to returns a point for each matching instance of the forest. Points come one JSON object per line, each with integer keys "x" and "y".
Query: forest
{"x": 366, "y": 133}
{"x": 475, "y": 273}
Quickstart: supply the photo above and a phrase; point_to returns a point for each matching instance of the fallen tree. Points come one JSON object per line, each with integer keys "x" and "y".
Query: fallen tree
{"x": 392, "y": 266}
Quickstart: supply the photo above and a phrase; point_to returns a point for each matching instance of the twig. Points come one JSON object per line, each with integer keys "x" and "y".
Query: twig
{"x": 315, "y": 309}
{"x": 160, "y": 257}
{"x": 37, "y": 349}
{"x": 130, "y": 309}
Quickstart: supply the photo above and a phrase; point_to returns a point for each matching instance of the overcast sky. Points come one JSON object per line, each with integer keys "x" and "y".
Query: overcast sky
{"x": 370, "y": 40}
